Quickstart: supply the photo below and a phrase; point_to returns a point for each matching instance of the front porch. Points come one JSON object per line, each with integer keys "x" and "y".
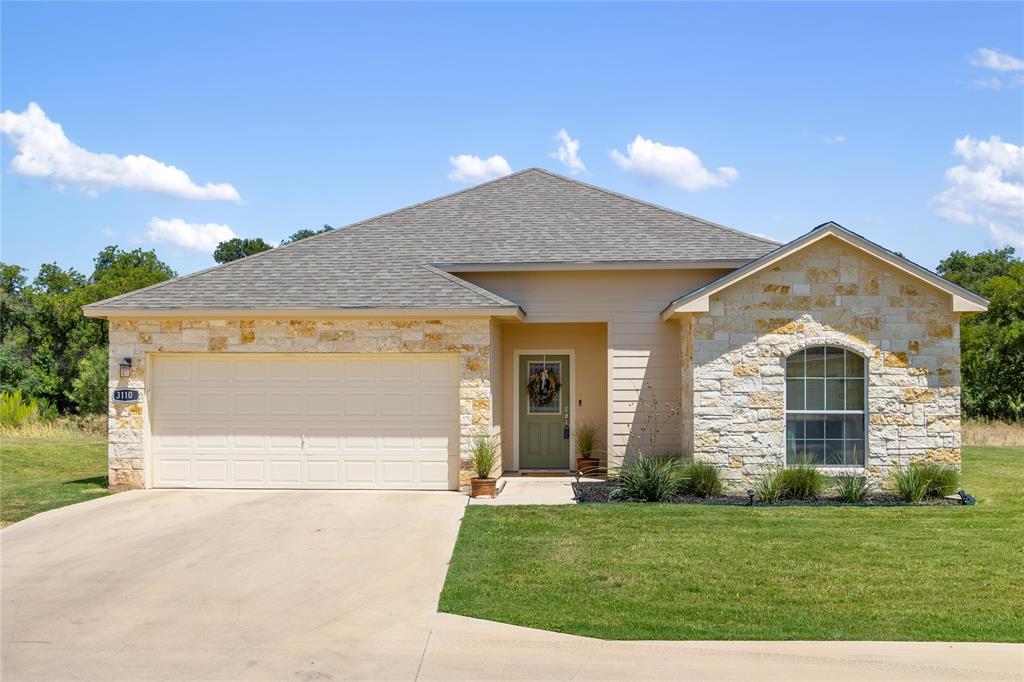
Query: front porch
{"x": 548, "y": 380}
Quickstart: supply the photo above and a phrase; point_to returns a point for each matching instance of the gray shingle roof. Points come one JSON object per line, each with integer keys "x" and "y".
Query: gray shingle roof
{"x": 532, "y": 216}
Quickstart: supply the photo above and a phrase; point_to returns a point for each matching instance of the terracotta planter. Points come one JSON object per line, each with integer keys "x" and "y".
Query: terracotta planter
{"x": 482, "y": 487}
{"x": 585, "y": 463}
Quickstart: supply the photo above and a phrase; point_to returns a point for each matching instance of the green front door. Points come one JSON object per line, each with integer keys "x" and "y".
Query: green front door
{"x": 544, "y": 403}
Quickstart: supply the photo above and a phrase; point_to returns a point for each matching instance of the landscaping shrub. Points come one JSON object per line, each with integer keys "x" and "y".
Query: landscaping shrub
{"x": 925, "y": 479}
{"x": 801, "y": 483}
{"x": 910, "y": 483}
{"x": 769, "y": 487}
{"x": 485, "y": 453}
{"x": 648, "y": 479}
{"x": 942, "y": 479}
{"x": 851, "y": 488}
{"x": 701, "y": 479}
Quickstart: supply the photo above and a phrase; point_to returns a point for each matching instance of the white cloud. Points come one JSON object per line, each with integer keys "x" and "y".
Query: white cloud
{"x": 468, "y": 168}
{"x": 569, "y": 152}
{"x": 995, "y": 60}
{"x": 107, "y": 232}
{"x": 197, "y": 236}
{"x": 44, "y": 151}
{"x": 987, "y": 189}
{"x": 835, "y": 139}
{"x": 1011, "y": 69}
{"x": 673, "y": 165}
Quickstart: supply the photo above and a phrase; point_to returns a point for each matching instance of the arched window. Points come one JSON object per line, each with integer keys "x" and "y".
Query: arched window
{"x": 825, "y": 407}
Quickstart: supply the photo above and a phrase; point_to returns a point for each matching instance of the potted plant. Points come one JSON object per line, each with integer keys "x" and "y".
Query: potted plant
{"x": 485, "y": 453}
{"x": 585, "y": 438}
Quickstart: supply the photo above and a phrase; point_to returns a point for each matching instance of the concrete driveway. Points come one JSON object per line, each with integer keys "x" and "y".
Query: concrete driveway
{"x": 335, "y": 585}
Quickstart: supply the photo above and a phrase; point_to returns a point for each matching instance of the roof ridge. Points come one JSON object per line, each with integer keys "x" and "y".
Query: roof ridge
{"x": 653, "y": 205}
{"x": 476, "y": 289}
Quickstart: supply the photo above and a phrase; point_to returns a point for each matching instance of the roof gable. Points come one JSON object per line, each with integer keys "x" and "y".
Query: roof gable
{"x": 698, "y": 301}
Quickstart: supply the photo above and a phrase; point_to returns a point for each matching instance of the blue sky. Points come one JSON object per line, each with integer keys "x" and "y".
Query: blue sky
{"x": 770, "y": 118}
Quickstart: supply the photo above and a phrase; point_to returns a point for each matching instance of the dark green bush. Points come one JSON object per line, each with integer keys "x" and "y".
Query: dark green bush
{"x": 802, "y": 483}
{"x": 924, "y": 479}
{"x": 648, "y": 479}
{"x": 701, "y": 479}
{"x": 942, "y": 479}
{"x": 910, "y": 483}
{"x": 851, "y": 488}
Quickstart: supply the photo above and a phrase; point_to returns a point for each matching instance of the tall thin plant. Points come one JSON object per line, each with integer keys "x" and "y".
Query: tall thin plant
{"x": 585, "y": 439}
{"x": 485, "y": 452}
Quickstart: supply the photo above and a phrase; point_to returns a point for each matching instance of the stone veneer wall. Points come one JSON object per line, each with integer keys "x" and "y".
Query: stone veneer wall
{"x": 134, "y": 338}
{"x": 828, "y": 293}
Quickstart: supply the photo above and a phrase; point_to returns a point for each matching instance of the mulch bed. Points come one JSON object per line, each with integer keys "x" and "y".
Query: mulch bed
{"x": 598, "y": 492}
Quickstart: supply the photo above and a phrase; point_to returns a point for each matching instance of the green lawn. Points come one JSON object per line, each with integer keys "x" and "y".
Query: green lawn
{"x": 702, "y": 572}
{"x": 38, "y": 474}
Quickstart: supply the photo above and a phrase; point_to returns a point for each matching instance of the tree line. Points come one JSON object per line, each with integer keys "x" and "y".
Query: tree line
{"x": 53, "y": 353}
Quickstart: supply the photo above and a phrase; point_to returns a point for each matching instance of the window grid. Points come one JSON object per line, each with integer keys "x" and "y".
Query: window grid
{"x": 802, "y": 421}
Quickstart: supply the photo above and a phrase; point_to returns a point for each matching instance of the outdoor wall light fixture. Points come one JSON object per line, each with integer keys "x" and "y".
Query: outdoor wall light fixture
{"x": 750, "y": 497}
{"x": 965, "y": 498}
{"x": 125, "y": 368}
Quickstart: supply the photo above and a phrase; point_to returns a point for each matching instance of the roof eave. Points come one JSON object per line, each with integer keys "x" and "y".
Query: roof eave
{"x": 513, "y": 312}
{"x": 698, "y": 301}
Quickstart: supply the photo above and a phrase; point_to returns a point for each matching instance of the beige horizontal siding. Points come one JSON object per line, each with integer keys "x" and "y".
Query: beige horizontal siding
{"x": 644, "y": 352}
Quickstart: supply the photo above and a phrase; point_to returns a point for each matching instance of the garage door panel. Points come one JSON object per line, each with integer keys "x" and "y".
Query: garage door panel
{"x": 285, "y": 472}
{"x": 434, "y": 473}
{"x": 248, "y": 402}
{"x": 174, "y": 471}
{"x": 318, "y": 421}
{"x": 323, "y": 403}
{"x": 366, "y": 370}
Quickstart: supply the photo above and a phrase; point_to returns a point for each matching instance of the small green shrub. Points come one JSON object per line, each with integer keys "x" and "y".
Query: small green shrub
{"x": 16, "y": 410}
{"x": 925, "y": 479}
{"x": 585, "y": 439}
{"x": 942, "y": 479}
{"x": 851, "y": 488}
{"x": 485, "y": 453}
{"x": 769, "y": 487}
{"x": 910, "y": 483}
{"x": 802, "y": 483}
{"x": 701, "y": 479}
{"x": 648, "y": 479}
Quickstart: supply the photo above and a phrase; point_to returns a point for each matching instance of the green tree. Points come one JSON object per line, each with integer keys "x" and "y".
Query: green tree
{"x": 89, "y": 388}
{"x": 303, "y": 234}
{"x": 54, "y": 336}
{"x": 13, "y": 308}
{"x": 972, "y": 272}
{"x": 239, "y": 247}
{"x": 991, "y": 343}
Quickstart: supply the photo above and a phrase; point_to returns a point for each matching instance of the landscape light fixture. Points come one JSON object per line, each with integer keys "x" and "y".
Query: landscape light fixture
{"x": 750, "y": 497}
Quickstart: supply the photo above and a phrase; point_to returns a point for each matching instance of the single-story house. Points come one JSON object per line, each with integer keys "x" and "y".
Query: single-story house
{"x": 369, "y": 357}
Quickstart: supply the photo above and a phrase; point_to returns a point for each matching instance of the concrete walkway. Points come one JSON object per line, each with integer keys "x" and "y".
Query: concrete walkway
{"x": 532, "y": 490}
{"x": 254, "y": 585}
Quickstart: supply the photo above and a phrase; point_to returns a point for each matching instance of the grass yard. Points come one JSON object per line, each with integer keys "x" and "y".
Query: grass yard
{"x": 39, "y": 474}
{"x": 701, "y": 572}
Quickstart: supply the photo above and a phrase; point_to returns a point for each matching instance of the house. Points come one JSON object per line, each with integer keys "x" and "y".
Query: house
{"x": 368, "y": 357}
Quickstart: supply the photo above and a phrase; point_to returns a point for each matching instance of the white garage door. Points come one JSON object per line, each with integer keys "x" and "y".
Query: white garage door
{"x": 304, "y": 421}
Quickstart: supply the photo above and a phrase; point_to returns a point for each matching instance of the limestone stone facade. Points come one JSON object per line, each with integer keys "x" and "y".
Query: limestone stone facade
{"x": 139, "y": 339}
{"x": 826, "y": 294}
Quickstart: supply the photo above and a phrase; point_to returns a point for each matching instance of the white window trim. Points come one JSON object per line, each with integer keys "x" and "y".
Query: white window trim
{"x": 844, "y": 468}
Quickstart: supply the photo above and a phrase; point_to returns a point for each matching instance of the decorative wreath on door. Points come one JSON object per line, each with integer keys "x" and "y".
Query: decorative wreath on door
{"x": 542, "y": 386}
